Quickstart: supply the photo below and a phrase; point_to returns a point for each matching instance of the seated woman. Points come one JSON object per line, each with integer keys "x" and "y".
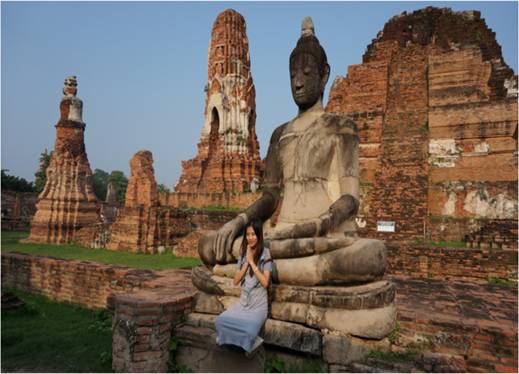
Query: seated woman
{"x": 241, "y": 324}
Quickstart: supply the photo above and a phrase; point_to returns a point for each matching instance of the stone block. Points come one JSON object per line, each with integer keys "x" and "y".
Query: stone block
{"x": 197, "y": 350}
{"x": 279, "y": 333}
{"x": 293, "y": 336}
{"x": 345, "y": 349}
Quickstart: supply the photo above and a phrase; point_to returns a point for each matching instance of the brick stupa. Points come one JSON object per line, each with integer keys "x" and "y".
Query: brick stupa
{"x": 67, "y": 203}
{"x": 228, "y": 153}
{"x": 136, "y": 226}
{"x": 436, "y": 108}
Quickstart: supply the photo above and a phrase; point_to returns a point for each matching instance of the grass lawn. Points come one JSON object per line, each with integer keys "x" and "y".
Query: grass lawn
{"x": 69, "y": 251}
{"x": 55, "y": 337}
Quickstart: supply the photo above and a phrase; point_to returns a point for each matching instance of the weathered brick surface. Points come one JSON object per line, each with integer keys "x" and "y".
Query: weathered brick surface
{"x": 450, "y": 264}
{"x": 455, "y": 325}
{"x": 199, "y": 200}
{"x": 142, "y": 326}
{"x": 18, "y": 208}
{"x": 228, "y": 152}
{"x": 143, "y": 225}
{"x": 436, "y": 108}
{"x": 67, "y": 202}
{"x": 146, "y": 304}
{"x": 477, "y": 324}
{"x": 81, "y": 282}
{"x": 136, "y": 226}
{"x": 492, "y": 233}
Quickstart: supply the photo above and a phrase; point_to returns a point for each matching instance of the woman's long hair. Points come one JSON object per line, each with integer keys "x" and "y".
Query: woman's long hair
{"x": 257, "y": 226}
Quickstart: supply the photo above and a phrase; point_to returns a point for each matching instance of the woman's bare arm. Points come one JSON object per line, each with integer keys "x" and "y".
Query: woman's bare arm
{"x": 238, "y": 276}
{"x": 263, "y": 277}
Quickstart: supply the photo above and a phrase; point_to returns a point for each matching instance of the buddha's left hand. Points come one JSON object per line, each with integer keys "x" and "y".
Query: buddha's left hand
{"x": 341, "y": 210}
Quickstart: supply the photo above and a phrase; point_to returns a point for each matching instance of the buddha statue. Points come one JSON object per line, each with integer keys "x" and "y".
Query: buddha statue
{"x": 312, "y": 180}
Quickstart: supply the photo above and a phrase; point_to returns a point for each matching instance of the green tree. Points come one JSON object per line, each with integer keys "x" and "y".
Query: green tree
{"x": 12, "y": 183}
{"x": 100, "y": 180}
{"x": 120, "y": 183}
{"x": 162, "y": 188}
{"x": 100, "y": 183}
{"x": 41, "y": 174}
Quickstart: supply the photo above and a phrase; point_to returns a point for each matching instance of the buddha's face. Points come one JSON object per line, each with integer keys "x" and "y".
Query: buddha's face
{"x": 305, "y": 80}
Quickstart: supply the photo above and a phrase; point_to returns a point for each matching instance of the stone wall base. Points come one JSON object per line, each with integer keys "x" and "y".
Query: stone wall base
{"x": 141, "y": 330}
{"x": 297, "y": 347}
{"x": 293, "y": 343}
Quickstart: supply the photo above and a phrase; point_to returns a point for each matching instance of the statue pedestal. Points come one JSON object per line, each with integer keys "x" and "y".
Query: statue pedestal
{"x": 197, "y": 350}
{"x": 293, "y": 343}
{"x": 366, "y": 311}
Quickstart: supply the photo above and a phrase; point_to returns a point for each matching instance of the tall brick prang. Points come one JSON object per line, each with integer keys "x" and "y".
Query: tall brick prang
{"x": 67, "y": 203}
{"x": 436, "y": 108}
{"x": 228, "y": 152}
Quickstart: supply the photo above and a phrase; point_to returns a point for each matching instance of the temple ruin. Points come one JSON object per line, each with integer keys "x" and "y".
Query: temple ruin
{"x": 67, "y": 203}
{"x": 228, "y": 152}
{"x": 436, "y": 108}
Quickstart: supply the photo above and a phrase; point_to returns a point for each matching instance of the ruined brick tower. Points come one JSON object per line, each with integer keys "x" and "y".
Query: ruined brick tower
{"x": 228, "y": 153}
{"x": 67, "y": 203}
{"x": 436, "y": 108}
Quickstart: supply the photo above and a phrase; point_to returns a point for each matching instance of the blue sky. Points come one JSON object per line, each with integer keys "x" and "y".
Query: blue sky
{"x": 142, "y": 68}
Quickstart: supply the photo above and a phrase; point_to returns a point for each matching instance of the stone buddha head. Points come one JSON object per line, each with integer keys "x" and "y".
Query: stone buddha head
{"x": 309, "y": 69}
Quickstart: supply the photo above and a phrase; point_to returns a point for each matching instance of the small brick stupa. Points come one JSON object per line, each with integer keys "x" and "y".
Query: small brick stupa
{"x": 136, "y": 226}
{"x": 436, "y": 108}
{"x": 67, "y": 203}
{"x": 228, "y": 153}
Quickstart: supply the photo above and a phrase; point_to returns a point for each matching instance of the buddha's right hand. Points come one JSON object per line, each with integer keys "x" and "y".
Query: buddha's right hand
{"x": 225, "y": 237}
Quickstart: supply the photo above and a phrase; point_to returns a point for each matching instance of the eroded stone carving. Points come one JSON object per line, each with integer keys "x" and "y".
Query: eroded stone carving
{"x": 311, "y": 181}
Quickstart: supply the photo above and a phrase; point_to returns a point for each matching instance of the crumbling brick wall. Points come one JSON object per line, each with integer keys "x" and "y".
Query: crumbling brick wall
{"x": 436, "y": 108}
{"x": 18, "y": 208}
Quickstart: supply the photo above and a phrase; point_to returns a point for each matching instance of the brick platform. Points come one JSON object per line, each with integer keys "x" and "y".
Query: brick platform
{"x": 451, "y": 264}
{"x": 452, "y": 325}
{"x": 87, "y": 283}
{"x": 477, "y": 324}
{"x": 143, "y": 321}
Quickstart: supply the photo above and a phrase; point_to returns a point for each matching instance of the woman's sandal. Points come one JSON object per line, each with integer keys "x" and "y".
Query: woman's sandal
{"x": 257, "y": 343}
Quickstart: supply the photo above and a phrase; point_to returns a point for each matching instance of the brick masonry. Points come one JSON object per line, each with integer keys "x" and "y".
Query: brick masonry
{"x": 150, "y": 220}
{"x": 146, "y": 304}
{"x": 436, "y": 108}
{"x": 451, "y": 264}
{"x": 67, "y": 202}
{"x": 466, "y": 326}
{"x": 228, "y": 152}
{"x": 201, "y": 199}
{"x": 18, "y": 208}
{"x": 80, "y": 282}
{"x": 474, "y": 326}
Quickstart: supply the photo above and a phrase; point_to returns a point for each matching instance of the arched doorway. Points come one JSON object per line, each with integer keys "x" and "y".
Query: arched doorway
{"x": 213, "y": 134}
